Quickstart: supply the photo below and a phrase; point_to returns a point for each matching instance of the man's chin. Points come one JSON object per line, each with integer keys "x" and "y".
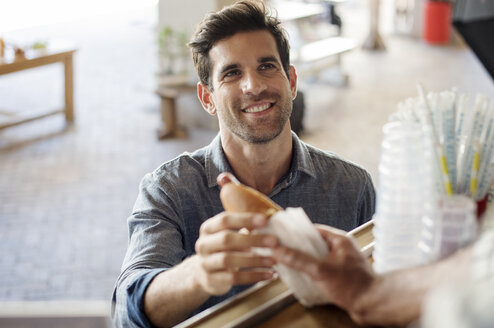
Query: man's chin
{"x": 259, "y": 138}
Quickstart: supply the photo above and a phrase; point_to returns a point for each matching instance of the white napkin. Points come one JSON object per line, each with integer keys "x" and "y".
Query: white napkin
{"x": 295, "y": 230}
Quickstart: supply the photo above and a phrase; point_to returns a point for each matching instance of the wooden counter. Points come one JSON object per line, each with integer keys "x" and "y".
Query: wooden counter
{"x": 271, "y": 304}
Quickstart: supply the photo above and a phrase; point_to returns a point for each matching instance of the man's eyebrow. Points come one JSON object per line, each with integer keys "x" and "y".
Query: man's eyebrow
{"x": 228, "y": 67}
{"x": 268, "y": 59}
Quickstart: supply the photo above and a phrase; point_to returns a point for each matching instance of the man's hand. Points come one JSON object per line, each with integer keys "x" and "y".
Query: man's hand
{"x": 224, "y": 252}
{"x": 342, "y": 275}
{"x": 223, "y": 259}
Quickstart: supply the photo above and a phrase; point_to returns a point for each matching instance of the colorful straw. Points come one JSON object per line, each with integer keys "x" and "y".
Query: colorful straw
{"x": 462, "y": 135}
{"x": 439, "y": 151}
{"x": 475, "y": 170}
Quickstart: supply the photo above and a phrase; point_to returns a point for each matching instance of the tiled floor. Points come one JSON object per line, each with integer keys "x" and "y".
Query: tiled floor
{"x": 65, "y": 193}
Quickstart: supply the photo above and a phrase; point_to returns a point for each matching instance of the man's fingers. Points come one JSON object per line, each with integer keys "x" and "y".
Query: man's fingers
{"x": 234, "y": 260}
{"x": 233, "y": 241}
{"x": 226, "y": 177}
{"x": 251, "y": 277}
{"x": 220, "y": 282}
{"x": 233, "y": 221}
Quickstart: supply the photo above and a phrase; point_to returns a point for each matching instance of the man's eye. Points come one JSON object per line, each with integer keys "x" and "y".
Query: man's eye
{"x": 232, "y": 73}
{"x": 266, "y": 66}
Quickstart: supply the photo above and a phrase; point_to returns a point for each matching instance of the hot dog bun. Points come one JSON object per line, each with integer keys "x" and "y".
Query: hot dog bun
{"x": 237, "y": 197}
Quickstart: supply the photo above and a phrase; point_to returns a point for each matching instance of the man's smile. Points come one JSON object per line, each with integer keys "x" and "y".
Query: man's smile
{"x": 256, "y": 108}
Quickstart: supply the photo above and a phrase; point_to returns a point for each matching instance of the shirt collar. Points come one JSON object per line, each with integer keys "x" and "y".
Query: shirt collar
{"x": 216, "y": 161}
{"x": 302, "y": 160}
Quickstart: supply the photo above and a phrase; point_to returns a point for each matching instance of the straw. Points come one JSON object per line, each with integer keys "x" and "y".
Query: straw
{"x": 486, "y": 182}
{"x": 486, "y": 141}
{"x": 475, "y": 169}
{"x": 462, "y": 135}
{"x": 461, "y": 108}
{"x": 439, "y": 151}
{"x": 466, "y": 147}
{"x": 462, "y": 103}
{"x": 447, "y": 101}
{"x": 486, "y": 171}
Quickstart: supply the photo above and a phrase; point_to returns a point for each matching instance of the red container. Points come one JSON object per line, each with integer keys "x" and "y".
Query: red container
{"x": 482, "y": 207}
{"x": 437, "y": 22}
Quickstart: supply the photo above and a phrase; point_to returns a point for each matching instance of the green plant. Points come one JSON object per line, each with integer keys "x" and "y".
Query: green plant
{"x": 165, "y": 40}
{"x": 173, "y": 50}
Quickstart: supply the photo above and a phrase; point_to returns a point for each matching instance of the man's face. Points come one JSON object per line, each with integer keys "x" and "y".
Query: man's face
{"x": 250, "y": 91}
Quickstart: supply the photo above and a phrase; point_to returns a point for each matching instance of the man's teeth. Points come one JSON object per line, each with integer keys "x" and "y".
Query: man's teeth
{"x": 256, "y": 109}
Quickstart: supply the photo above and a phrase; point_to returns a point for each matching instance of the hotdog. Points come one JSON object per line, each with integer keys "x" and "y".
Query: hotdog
{"x": 300, "y": 234}
{"x": 237, "y": 197}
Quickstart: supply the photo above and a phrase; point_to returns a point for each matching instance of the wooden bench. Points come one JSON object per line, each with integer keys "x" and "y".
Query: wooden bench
{"x": 314, "y": 57}
{"x": 169, "y": 124}
{"x": 322, "y": 49}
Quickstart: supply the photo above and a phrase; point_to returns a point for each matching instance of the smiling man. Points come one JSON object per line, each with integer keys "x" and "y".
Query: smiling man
{"x": 252, "y": 95}
{"x": 185, "y": 252}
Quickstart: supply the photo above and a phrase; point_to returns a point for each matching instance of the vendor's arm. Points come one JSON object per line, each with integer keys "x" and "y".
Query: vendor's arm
{"x": 347, "y": 279}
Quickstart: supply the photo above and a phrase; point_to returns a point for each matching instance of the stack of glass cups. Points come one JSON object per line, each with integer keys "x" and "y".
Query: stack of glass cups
{"x": 406, "y": 192}
{"x": 453, "y": 226}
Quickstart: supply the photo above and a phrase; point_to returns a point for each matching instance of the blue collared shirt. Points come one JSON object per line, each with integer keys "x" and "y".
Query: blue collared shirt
{"x": 181, "y": 194}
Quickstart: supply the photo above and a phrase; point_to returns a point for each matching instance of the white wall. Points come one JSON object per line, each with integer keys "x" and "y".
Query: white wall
{"x": 21, "y": 14}
{"x": 184, "y": 15}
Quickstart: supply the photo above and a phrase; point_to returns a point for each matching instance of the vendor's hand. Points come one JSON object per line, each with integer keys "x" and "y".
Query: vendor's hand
{"x": 224, "y": 250}
{"x": 341, "y": 276}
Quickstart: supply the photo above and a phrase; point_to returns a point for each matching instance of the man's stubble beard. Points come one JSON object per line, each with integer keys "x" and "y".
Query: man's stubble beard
{"x": 258, "y": 134}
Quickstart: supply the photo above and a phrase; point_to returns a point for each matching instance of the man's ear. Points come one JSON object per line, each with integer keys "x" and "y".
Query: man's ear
{"x": 293, "y": 81}
{"x": 205, "y": 96}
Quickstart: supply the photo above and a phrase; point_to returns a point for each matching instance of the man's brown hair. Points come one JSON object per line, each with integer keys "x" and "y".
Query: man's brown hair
{"x": 243, "y": 16}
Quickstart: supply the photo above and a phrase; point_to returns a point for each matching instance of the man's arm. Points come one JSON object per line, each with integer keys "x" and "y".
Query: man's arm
{"x": 347, "y": 279}
{"x": 151, "y": 290}
{"x": 174, "y": 294}
{"x": 223, "y": 260}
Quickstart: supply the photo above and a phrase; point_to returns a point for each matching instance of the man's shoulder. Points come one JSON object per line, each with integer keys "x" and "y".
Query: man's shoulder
{"x": 207, "y": 161}
{"x": 185, "y": 164}
{"x": 325, "y": 160}
{"x": 177, "y": 177}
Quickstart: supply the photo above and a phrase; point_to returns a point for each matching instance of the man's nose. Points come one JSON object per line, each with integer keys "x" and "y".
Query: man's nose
{"x": 253, "y": 84}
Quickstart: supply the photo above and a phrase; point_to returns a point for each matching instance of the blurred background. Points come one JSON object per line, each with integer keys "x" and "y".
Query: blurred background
{"x": 66, "y": 190}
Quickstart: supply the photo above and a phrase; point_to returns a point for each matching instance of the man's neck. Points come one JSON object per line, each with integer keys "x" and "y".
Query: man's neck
{"x": 259, "y": 166}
